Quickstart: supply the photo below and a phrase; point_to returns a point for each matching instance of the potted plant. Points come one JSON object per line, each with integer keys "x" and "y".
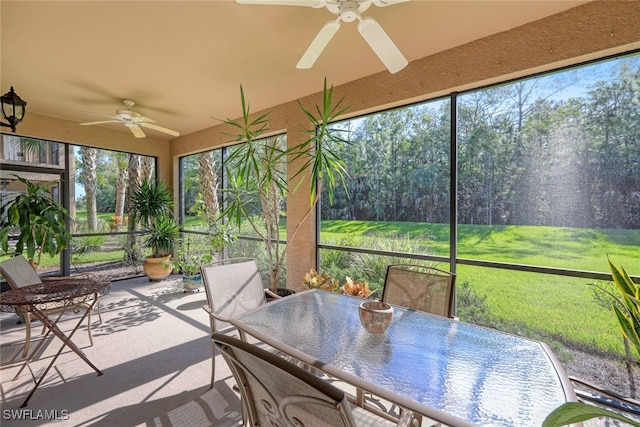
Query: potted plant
{"x": 42, "y": 223}
{"x": 196, "y": 250}
{"x": 356, "y": 288}
{"x": 188, "y": 264}
{"x": 256, "y": 173}
{"x": 150, "y": 205}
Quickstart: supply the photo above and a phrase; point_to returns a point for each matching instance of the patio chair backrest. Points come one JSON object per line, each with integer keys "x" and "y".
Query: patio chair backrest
{"x": 233, "y": 286}
{"x": 277, "y": 392}
{"x": 18, "y": 272}
{"x": 420, "y": 288}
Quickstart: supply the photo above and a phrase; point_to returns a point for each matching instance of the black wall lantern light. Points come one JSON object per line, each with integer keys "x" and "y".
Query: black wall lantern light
{"x": 13, "y": 109}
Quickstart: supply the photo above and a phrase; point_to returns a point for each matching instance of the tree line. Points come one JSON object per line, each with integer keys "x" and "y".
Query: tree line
{"x": 533, "y": 152}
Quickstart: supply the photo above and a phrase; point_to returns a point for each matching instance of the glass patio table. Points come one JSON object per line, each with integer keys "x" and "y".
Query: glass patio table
{"x": 450, "y": 371}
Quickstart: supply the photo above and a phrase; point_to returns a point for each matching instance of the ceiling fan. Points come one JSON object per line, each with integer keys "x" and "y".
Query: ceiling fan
{"x": 347, "y": 11}
{"x": 134, "y": 121}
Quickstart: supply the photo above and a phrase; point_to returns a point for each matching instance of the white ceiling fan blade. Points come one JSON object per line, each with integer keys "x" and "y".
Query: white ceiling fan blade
{"x": 382, "y": 45}
{"x": 309, "y": 3}
{"x": 135, "y": 129}
{"x": 382, "y": 3}
{"x": 160, "y": 129}
{"x": 100, "y": 122}
{"x": 318, "y": 44}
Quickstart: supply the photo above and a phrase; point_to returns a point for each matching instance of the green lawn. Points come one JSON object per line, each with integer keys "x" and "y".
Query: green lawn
{"x": 556, "y": 309}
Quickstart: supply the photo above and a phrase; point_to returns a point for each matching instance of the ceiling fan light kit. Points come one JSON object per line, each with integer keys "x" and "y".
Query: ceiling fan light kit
{"x": 133, "y": 120}
{"x": 347, "y": 11}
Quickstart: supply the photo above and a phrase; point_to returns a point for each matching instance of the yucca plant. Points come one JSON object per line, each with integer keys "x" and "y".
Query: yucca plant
{"x": 256, "y": 172}
{"x": 150, "y": 204}
{"x": 576, "y": 412}
{"x": 162, "y": 236}
{"x": 627, "y": 309}
{"x": 148, "y": 201}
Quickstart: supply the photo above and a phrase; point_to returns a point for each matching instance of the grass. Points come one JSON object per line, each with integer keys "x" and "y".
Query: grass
{"x": 569, "y": 248}
{"x": 559, "y": 310}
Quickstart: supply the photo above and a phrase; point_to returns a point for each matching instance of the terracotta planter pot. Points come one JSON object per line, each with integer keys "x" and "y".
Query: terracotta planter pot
{"x": 157, "y": 268}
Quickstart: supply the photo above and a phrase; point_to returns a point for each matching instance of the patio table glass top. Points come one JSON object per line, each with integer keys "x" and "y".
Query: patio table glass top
{"x": 437, "y": 366}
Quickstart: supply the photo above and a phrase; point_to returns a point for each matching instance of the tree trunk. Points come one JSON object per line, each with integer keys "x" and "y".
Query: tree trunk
{"x": 209, "y": 186}
{"x": 147, "y": 164}
{"x": 72, "y": 187}
{"x": 121, "y": 189}
{"x": 132, "y": 251}
{"x": 89, "y": 179}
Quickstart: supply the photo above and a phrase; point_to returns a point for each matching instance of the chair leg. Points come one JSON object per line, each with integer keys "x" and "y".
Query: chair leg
{"x": 98, "y": 310}
{"x": 213, "y": 363}
{"x": 27, "y": 324}
{"x": 89, "y": 325}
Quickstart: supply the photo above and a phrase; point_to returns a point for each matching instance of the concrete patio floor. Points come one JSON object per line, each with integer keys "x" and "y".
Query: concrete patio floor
{"x": 154, "y": 350}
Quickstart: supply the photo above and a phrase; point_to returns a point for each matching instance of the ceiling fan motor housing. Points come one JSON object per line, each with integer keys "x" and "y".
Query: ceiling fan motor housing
{"x": 127, "y": 114}
{"x": 349, "y": 11}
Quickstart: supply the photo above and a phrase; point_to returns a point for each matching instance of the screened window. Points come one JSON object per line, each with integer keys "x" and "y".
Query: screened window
{"x": 547, "y": 187}
{"x": 548, "y": 169}
{"x": 398, "y": 191}
{"x": 221, "y": 190}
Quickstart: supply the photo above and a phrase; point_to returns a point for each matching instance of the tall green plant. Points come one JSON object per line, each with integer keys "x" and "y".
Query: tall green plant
{"x": 576, "y": 412}
{"x": 162, "y": 236}
{"x": 42, "y": 223}
{"x": 324, "y": 163}
{"x": 150, "y": 205}
{"x": 149, "y": 200}
{"x": 257, "y": 169}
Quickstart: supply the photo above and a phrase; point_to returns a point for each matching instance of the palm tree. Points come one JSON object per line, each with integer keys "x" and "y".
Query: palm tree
{"x": 88, "y": 178}
{"x": 121, "y": 187}
{"x": 133, "y": 252}
{"x": 209, "y": 186}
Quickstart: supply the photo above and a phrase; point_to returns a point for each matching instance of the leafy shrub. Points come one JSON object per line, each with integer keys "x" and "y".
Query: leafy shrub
{"x": 83, "y": 245}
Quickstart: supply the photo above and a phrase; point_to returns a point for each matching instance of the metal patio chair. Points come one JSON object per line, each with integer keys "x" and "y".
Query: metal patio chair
{"x": 233, "y": 286}
{"x": 277, "y": 392}
{"x": 420, "y": 288}
{"x": 18, "y": 273}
